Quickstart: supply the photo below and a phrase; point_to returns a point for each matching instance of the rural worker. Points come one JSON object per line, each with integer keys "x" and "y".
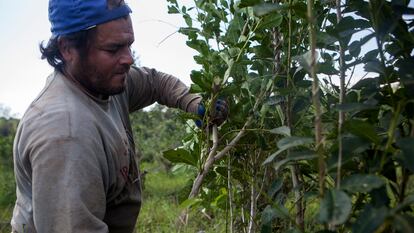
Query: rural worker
{"x": 74, "y": 152}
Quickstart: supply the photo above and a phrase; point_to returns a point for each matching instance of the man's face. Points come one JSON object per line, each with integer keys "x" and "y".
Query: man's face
{"x": 103, "y": 69}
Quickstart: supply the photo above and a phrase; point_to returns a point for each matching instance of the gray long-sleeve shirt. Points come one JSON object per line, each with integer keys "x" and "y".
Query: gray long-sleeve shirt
{"x": 74, "y": 154}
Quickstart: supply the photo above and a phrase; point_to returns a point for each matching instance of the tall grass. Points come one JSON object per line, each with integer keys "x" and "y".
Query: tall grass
{"x": 161, "y": 205}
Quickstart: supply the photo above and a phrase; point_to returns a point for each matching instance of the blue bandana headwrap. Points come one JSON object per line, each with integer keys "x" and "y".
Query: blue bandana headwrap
{"x": 68, "y": 16}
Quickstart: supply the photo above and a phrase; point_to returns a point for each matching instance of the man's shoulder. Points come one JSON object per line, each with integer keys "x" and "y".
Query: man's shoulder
{"x": 57, "y": 112}
{"x": 56, "y": 121}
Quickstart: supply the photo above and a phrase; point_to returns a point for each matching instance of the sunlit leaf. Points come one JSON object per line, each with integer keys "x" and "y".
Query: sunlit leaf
{"x": 190, "y": 202}
{"x": 283, "y": 130}
{"x": 267, "y": 8}
{"x": 180, "y": 155}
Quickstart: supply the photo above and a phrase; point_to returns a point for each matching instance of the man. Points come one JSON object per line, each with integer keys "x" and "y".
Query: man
{"x": 74, "y": 151}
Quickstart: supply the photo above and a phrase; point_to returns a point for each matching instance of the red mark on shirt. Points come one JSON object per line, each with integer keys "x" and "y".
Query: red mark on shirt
{"x": 124, "y": 173}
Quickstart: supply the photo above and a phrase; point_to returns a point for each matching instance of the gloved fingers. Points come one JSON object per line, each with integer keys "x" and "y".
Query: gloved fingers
{"x": 219, "y": 116}
{"x": 222, "y": 107}
{"x": 221, "y": 112}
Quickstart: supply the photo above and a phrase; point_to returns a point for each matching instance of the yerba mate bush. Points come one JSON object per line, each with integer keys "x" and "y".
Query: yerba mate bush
{"x": 321, "y": 130}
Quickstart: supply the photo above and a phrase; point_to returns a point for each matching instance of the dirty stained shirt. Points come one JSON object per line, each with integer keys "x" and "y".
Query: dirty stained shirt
{"x": 74, "y": 154}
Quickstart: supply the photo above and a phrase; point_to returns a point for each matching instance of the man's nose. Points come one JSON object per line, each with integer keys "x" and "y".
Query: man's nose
{"x": 126, "y": 57}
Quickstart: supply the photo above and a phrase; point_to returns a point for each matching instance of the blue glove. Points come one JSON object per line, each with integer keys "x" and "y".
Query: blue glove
{"x": 220, "y": 113}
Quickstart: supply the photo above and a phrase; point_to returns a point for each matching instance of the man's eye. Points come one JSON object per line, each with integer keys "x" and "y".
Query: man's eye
{"x": 111, "y": 50}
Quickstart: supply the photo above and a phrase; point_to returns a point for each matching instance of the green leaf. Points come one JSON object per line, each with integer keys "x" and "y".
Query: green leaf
{"x": 173, "y": 10}
{"x": 325, "y": 39}
{"x": 405, "y": 70}
{"x": 188, "y": 20}
{"x": 172, "y": 1}
{"x": 266, "y": 8}
{"x": 190, "y": 202}
{"x": 362, "y": 129}
{"x": 407, "y": 152}
{"x": 371, "y": 55}
{"x": 370, "y": 219}
{"x": 363, "y": 183}
{"x": 335, "y": 207}
{"x": 246, "y": 3}
{"x": 355, "y": 48}
{"x": 408, "y": 201}
{"x": 268, "y": 215}
{"x": 198, "y": 78}
{"x": 305, "y": 60}
{"x": 180, "y": 155}
{"x": 374, "y": 66}
{"x": 295, "y": 156}
{"x": 354, "y": 107}
{"x": 283, "y": 130}
{"x": 275, "y": 187}
{"x": 289, "y": 142}
{"x": 271, "y": 21}
{"x": 327, "y": 68}
{"x": 293, "y": 230}
{"x": 194, "y": 88}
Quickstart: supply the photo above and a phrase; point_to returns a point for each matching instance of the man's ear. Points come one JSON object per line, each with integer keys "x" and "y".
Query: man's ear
{"x": 67, "y": 51}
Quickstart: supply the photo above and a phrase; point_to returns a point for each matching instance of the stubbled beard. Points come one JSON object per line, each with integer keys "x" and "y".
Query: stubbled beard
{"x": 96, "y": 82}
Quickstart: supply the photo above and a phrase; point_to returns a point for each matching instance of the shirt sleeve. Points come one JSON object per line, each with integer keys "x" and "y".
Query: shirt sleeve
{"x": 147, "y": 86}
{"x": 68, "y": 190}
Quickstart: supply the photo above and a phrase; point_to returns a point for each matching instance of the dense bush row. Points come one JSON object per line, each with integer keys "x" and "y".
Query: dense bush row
{"x": 321, "y": 100}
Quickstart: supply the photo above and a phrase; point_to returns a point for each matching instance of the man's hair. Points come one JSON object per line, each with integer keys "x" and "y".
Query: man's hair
{"x": 115, "y": 3}
{"x": 50, "y": 52}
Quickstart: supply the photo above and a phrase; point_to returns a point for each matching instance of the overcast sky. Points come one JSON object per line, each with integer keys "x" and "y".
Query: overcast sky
{"x": 25, "y": 24}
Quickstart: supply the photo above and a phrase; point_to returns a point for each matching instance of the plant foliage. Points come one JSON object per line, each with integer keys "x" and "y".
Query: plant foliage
{"x": 321, "y": 126}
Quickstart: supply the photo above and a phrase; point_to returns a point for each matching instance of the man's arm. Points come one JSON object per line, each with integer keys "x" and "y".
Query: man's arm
{"x": 68, "y": 189}
{"x": 147, "y": 86}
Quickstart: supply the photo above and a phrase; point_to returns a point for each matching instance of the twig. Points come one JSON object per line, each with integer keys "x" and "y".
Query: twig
{"x": 230, "y": 191}
{"x": 166, "y": 38}
{"x": 315, "y": 98}
{"x": 209, "y": 162}
{"x": 341, "y": 117}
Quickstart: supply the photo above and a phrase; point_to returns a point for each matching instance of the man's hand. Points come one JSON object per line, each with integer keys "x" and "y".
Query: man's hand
{"x": 218, "y": 115}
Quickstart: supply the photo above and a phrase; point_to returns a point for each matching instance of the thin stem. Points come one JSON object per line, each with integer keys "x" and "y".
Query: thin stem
{"x": 209, "y": 162}
{"x": 391, "y": 133}
{"x": 230, "y": 191}
{"x": 315, "y": 98}
{"x": 342, "y": 91}
{"x": 374, "y": 16}
{"x": 299, "y": 219}
{"x": 253, "y": 202}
